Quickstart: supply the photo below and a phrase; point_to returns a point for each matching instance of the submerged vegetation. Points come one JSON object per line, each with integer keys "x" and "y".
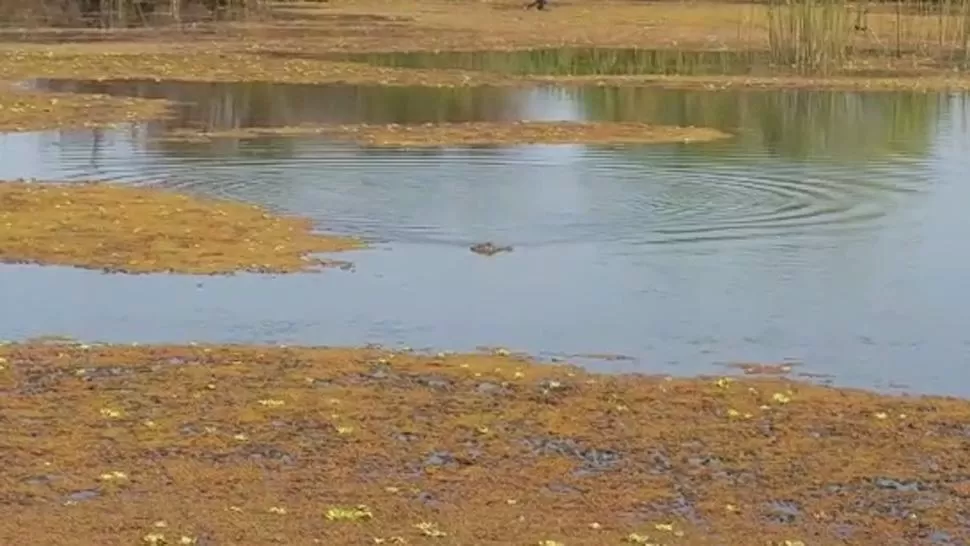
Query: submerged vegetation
{"x": 257, "y": 445}
{"x": 138, "y": 230}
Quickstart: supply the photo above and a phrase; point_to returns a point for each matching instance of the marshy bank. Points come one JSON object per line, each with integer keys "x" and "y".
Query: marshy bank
{"x": 258, "y": 444}
{"x": 22, "y": 110}
{"x": 830, "y": 43}
{"x": 136, "y": 230}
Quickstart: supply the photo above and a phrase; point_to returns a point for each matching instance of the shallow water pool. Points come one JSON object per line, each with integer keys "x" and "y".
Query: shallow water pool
{"x": 829, "y": 232}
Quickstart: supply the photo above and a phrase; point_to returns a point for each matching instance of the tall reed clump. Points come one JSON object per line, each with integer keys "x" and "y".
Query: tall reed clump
{"x": 928, "y": 29}
{"x": 809, "y": 35}
{"x": 122, "y": 13}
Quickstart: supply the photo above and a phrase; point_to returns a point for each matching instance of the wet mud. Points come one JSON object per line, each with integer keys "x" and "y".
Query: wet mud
{"x": 262, "y": 445}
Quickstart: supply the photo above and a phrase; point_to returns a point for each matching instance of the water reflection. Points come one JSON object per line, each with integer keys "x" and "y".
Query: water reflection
{"x": 830, "y": 231}
{"x": 800, "y": 123}
{"x": 794, "y": 123}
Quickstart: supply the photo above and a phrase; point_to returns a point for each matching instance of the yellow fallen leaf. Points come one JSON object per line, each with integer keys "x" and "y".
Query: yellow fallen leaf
{"x": 429, "y": 529}
{"x": 349, "y": 514}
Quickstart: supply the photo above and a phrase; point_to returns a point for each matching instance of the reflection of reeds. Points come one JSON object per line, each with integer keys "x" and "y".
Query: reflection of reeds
{"x": 853, "y": 126}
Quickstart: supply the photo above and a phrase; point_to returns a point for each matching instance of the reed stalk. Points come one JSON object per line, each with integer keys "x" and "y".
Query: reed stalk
{"x": 122, "y": 13}
{"x": 809, "y": 35}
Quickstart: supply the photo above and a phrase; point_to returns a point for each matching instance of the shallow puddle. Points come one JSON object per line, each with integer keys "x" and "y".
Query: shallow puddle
{"x": 827, "y": 232}
{"x": 574, "y": 61}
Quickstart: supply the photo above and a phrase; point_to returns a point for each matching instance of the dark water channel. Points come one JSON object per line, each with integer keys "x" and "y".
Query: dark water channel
{"x": 831, "y": 231}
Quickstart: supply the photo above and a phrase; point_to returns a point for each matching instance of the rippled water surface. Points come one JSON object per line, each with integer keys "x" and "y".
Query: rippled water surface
{"x": 830, "y": 231}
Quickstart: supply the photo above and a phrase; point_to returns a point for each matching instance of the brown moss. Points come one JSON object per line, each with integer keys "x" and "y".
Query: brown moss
{"x": 215, "y": 441}
{"x": 139, "y": 230}
{"x": 26, "y": 111}
{"x": 479, "y": 133}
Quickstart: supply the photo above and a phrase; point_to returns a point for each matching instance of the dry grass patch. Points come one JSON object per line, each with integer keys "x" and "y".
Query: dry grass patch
{"x": 27, "y": 111}
{"x": 259, "y": 445}
{"x": 221, "y": 67}
{"x": 136, "y": 230}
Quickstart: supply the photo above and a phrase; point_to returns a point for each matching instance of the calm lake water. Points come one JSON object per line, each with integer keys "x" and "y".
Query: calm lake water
{"x": 831, "y": 231}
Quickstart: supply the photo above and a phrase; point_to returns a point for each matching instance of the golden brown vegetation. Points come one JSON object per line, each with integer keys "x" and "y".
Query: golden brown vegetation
{"x": 262, "y": 445}
{"x": 123, "y": 13}
{"x": 138, "y": 230}
{"x": 479, "y": 133}
{"x": 26, "y": 111}
{"x": 914, "y": 48}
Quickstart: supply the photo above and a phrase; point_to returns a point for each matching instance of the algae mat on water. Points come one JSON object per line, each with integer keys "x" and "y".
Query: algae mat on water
{"x": 137, "y": 230}
{"x": 262, "y": 445}
{"x": 431, "y": 135}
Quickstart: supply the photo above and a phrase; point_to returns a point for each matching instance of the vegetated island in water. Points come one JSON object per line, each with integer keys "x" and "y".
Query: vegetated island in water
{"x": 22, "y": 110}
{"x": 143, "y": 230}
{"x": 476, "y": 133}
{"x": 260, "y": 444}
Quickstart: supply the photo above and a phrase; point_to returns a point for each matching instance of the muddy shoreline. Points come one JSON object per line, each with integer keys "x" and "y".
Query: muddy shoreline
{"x": 22, "y": 110}
{"x": 262, "y": 444}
